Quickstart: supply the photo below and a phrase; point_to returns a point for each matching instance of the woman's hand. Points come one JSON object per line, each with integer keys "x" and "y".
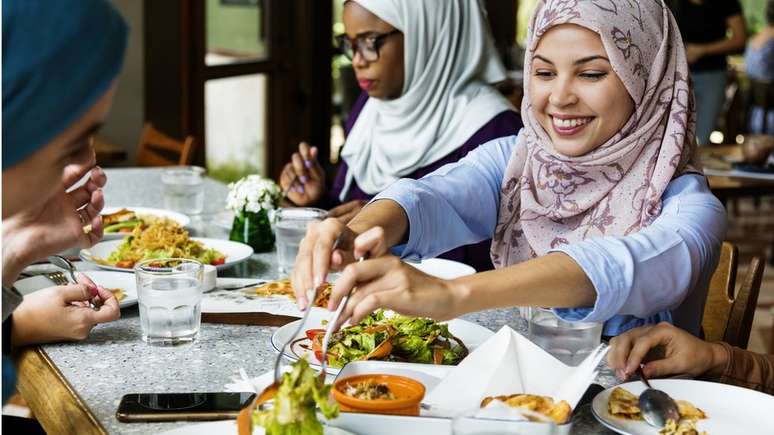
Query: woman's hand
{"x": 693, "y": 52}
{"x": 60, "y": 223}
{"x": 345, "y": 212}
{"x": 331, "y": 245}
{"x": 683, "y": 352}
{"x": 305, "y": 175}
{"x": 387, "y": 282}
{"x": 61, "y": 313}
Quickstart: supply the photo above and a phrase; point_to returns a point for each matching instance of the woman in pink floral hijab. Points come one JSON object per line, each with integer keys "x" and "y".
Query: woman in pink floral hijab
{"x": 595, "y": 207}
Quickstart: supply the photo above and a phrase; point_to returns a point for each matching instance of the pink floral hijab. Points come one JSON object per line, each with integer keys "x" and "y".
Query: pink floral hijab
{"x": 547, "y": 199}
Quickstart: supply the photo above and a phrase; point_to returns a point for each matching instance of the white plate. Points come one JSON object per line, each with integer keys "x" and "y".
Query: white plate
{"x": 106, "y": 279}
{"x": 228, "y": 427}
{"x": 729, "y": 409}
{"x": 470, "y": 333}
{"x": 182, "y": 219}
{"x": 235, "y": 252}
{"x": 445, "y": 269}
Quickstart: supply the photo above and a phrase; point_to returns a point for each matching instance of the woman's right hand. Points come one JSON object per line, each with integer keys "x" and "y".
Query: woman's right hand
{"x": 304, "y": 176}
{"x": 329, "y": 246}
{"x": 61, "y": 314}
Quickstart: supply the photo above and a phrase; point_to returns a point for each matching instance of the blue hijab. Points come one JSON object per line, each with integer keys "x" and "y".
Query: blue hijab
{"x": 59, "y": 57}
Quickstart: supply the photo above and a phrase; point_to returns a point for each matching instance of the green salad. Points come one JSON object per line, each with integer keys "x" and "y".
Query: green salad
{"x": 396, "y": 338}
{"x": 294, "y": 413}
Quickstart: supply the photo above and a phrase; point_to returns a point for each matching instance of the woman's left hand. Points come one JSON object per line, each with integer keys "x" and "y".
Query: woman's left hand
{"x": 345, "y": 212}
{"x": 387, "y": 282}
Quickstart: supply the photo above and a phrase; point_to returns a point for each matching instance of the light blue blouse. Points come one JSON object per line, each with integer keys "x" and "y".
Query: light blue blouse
{"x": 660, "y": 273}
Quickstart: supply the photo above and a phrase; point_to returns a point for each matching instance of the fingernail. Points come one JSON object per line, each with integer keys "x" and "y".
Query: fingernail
{"x": 298, "y": 189}
{"x": 303, "y": 179}
{"x": 308, "y": 164}
{"x": 301, "y": 189}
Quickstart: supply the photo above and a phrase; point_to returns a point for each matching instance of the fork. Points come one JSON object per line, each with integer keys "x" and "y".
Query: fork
{"x": 332, "y": 323}
{"x": 58, "y": 278}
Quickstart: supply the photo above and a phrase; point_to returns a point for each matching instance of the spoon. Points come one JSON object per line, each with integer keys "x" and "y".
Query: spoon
{"x": 656, "y": 406}
{"x": 63, "y": 263}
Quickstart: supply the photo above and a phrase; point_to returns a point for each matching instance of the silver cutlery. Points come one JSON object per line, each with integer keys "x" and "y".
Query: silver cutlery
{"x": 656, "y": 406}
{"x": 332, "y": 323}
{"x": 61, "y": 262}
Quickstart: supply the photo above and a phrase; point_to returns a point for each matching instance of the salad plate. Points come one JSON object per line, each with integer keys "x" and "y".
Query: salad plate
{"x": 729, "y": 409}
{"x": 109, "y": 280}
{"x": 471, "y": 334}
{"x": 180, "y": 218}
{"x": 235, "y": 252}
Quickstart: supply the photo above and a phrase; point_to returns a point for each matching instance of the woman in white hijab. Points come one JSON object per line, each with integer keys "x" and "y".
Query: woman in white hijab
{"x": 425, "y": 67}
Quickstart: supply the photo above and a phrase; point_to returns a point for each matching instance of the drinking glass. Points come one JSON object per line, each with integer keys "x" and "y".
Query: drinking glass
{"x": 183, "y": 189}
{"x": 169, "y": 292}
{"x": 289, "y": 226}
{"x": 569, "y": 342}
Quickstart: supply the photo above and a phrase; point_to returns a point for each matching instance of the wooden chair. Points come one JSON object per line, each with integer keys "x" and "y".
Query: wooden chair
{"x": 742, "y": 313}
{"x": 158, "y": 149}
{"x": 720, "y": 296}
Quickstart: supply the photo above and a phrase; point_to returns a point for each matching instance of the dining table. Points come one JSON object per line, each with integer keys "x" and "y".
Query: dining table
{"x": 75, "y": 387}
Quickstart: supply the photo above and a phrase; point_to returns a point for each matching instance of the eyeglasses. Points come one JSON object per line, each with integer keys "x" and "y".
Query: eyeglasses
{"x": 367, "y": 45}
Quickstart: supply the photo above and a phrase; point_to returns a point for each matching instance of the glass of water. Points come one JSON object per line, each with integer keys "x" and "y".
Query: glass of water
{"x": 569, "y": 342}
{"x": 289, "y": 226}
{"x": 169, "y": 292}
{"x": 183, "y": 189}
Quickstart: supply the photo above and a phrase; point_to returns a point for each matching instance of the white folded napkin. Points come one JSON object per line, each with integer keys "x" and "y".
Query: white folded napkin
{"x": 508, "y": 363}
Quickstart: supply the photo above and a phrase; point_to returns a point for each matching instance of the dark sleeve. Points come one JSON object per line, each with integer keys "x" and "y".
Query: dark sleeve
{"x": 730, "y": 8}
{"x": 748, "y": 369}
{"x": 357, "y": 107}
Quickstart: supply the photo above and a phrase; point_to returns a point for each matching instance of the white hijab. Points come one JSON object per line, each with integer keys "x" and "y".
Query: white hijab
{"x": 449, "y": 59}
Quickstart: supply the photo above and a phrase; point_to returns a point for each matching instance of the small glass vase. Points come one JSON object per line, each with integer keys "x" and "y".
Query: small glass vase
{"x": 254, "y": 229}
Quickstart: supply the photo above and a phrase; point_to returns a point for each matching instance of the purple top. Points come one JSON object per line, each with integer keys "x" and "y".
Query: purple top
{"x": 504, "y": 124}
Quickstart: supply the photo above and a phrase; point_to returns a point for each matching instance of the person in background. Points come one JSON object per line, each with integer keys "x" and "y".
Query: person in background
{"x": 759, "y": 65}
{"x": 594, "y": 208}
{"x": 712, "y": 30}
{"x": 426, "y": 101}
{"x": 46, "y": 148}
{"x": 686, "y": 354}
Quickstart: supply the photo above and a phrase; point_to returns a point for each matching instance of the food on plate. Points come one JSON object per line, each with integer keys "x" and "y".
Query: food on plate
{"x": 623, "y": 404}
{"x": 685, "y": 427}
{"x": 379, "y": 394}
{"x": 285, "y": 288}
{"x": 118, "y": 293}
{"x": 559, "y": 411}
{"x": 369, "y": 389}
{"x": 161, "y": 239}
{"x": 392, "y": 338}
{"x": 299, "y": 394}
{"x": 125, "y": 221}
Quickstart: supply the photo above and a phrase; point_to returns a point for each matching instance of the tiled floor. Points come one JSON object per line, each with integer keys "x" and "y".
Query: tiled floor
{"x": 751, "y": 228}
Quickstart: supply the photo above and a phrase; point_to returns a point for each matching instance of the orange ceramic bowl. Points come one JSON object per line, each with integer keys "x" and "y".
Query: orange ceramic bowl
{"x": 408, "y": 394}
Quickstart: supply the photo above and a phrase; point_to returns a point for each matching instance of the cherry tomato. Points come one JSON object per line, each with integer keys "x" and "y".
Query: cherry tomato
{"x": 218, "y": 261}
{"x": 311, "y": 333}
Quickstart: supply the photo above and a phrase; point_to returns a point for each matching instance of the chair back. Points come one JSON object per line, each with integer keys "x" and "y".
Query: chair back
{"x": 742, "y": 313}
{"x": 720, "y": 296}
{"x": 158, "y": 149}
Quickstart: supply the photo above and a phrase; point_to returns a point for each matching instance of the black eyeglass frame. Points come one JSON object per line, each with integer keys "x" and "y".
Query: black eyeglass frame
{"x": 362, "y": 44}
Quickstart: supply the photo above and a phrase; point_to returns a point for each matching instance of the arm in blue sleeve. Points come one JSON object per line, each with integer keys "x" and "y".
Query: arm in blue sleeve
{"x": 455, "y": 205}
{"x": 656, "y": 268}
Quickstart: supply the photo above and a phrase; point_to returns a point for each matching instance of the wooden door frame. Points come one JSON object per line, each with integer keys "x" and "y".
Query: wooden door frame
{"x": 298, "y": 62}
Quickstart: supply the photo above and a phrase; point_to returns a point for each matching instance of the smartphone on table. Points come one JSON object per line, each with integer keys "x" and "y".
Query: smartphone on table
{"x": 182, "y": 406}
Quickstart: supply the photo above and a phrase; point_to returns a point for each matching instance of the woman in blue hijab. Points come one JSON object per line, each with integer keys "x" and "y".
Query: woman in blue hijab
{"x": 60, "y": 62}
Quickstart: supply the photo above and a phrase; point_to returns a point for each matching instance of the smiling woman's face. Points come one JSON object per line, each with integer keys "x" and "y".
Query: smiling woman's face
{"x": 576, "y": 96}
{"x": 382, "y": 78}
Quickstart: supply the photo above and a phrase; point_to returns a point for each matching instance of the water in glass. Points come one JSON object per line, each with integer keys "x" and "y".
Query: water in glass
{"x": 170, "y": 309}
{"x": 290, "y": 226}
{"x": 184, "y": 189}
{"x": 569, "y": 342}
